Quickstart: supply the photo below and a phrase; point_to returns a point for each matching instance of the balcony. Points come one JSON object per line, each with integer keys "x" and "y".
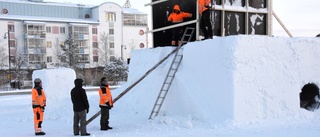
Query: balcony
{"x": 33, "y": 35}
{"x": 81, "y": 36}
{"x": 37, "y": 50}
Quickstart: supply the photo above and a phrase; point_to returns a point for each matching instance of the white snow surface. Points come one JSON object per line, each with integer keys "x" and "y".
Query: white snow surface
{"x": 235, "y": 86}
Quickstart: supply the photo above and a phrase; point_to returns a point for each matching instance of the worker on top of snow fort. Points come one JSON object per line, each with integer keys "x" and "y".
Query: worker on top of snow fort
{"x": 80, "y": 108}
{"x": 176, "y": 17}
{"x": 205, "y": 22}
{"x": 38, "y": 105}
{"x": 105, "y": 103}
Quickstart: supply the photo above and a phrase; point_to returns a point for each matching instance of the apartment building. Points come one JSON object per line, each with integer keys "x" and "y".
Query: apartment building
{"x": 33, "y": 31}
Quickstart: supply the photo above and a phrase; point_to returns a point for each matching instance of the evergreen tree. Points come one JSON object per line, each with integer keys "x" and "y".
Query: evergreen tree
{"x": 116, "y": 71}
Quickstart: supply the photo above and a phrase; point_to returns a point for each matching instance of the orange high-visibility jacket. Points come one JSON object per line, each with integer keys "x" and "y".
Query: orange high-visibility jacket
{"x": 38, "y": 99}
{"x": 105, "y": 97}
{"x": 202, "y": 5}
{"x": 177, "y": 18}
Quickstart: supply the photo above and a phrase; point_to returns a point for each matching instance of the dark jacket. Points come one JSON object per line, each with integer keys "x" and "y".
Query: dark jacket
{"x": 79, "y": 97}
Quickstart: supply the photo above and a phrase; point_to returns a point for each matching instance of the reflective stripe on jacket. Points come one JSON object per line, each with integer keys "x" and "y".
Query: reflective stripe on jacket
{"x": 202, "y": 5}
{"x": 38, "y": 100}
{"x": 105, "y": 96}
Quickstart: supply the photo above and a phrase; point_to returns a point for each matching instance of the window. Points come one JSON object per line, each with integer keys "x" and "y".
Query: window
{"x": 11, "y": 27}
{"x": 48, "y": 29}
{"x": 135, "y": 19}
{"x": 95, "y": 52}
{"x": 111, "y": 45}
{"x": 110, "y": 16}
{"x": 112, "y": 58}
{"x": 82, "y": 44}
{"x": 83, "y": 57}
{"x": 61, "y": 43}
{"x": 49, "y": 59}
{"x": 62, "y": 30}
{"x": 95, "y": 58}
{"x": 95, "y": 44}
{"x": 49, "y": 44}
{"x": 55, "y": 30}
{"x": 111, "y": 31}
{"x": 80, "y": 32}
{"x": 94, "y": 30}
{"x": 12, "y": 43}
{"x": 111, "y": 51}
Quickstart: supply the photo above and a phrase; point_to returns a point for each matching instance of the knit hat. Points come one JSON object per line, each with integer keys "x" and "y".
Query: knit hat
{"x": 103, "y": 80}
{"x": 37, "y": 81}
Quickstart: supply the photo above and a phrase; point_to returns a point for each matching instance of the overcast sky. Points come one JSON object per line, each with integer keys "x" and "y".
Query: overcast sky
{"x": 300, "y": 17}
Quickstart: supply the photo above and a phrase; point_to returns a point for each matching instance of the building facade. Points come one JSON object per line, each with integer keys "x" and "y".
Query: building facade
{"x": 35, "y": 30}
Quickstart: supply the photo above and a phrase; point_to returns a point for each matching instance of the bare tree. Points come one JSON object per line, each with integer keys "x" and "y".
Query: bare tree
{"x": 19, "y": 69}
{"x": 3, "y": 58}
{"x": 103, "y": 51}
{"x": 57, "y": 53}
{"x": 3, "y": 65}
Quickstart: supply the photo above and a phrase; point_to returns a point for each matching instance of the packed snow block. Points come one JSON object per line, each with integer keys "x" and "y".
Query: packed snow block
{"x": 57, "y": 84}
{"x": 238, "y": 78}
{"x": 246, "y": 78}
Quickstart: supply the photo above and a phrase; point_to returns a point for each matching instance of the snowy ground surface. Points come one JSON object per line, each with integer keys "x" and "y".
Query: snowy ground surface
{"x": 236, "y": 86}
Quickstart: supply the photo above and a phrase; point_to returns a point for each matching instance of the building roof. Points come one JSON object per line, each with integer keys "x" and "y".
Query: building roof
{"x": 46, "y": 19}
{"x": 67, "y": 4}
{"x": 132, "y": 11}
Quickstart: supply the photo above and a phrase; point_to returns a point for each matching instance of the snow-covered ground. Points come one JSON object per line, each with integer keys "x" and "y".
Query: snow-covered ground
{"x": 235, "y": 86}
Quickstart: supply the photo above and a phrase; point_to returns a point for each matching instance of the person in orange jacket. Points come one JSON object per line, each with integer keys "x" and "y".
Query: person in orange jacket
{"x": 205, "y": 23}
{"x": 176, "y": 17}
{"x": 38, "y": 105}
{"x": 105, "y": 103}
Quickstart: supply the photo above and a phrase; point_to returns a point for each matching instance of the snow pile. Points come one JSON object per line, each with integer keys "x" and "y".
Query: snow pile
{"x": 241, "y": 78}
{"x": 57, "y": 84}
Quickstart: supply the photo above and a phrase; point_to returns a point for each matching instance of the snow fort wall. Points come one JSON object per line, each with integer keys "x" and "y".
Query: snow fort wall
{"x": 270, "y": 73}
{"x": 246, "y": 78}
{"x": 241, "y": 78}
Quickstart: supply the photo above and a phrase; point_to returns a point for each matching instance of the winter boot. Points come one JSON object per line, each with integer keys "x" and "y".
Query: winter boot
{"x": 107, "y": 125}
{"x": 103, "y": 126}
{"x": 40, "y": 133}
{"x": 86, "y": 134}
